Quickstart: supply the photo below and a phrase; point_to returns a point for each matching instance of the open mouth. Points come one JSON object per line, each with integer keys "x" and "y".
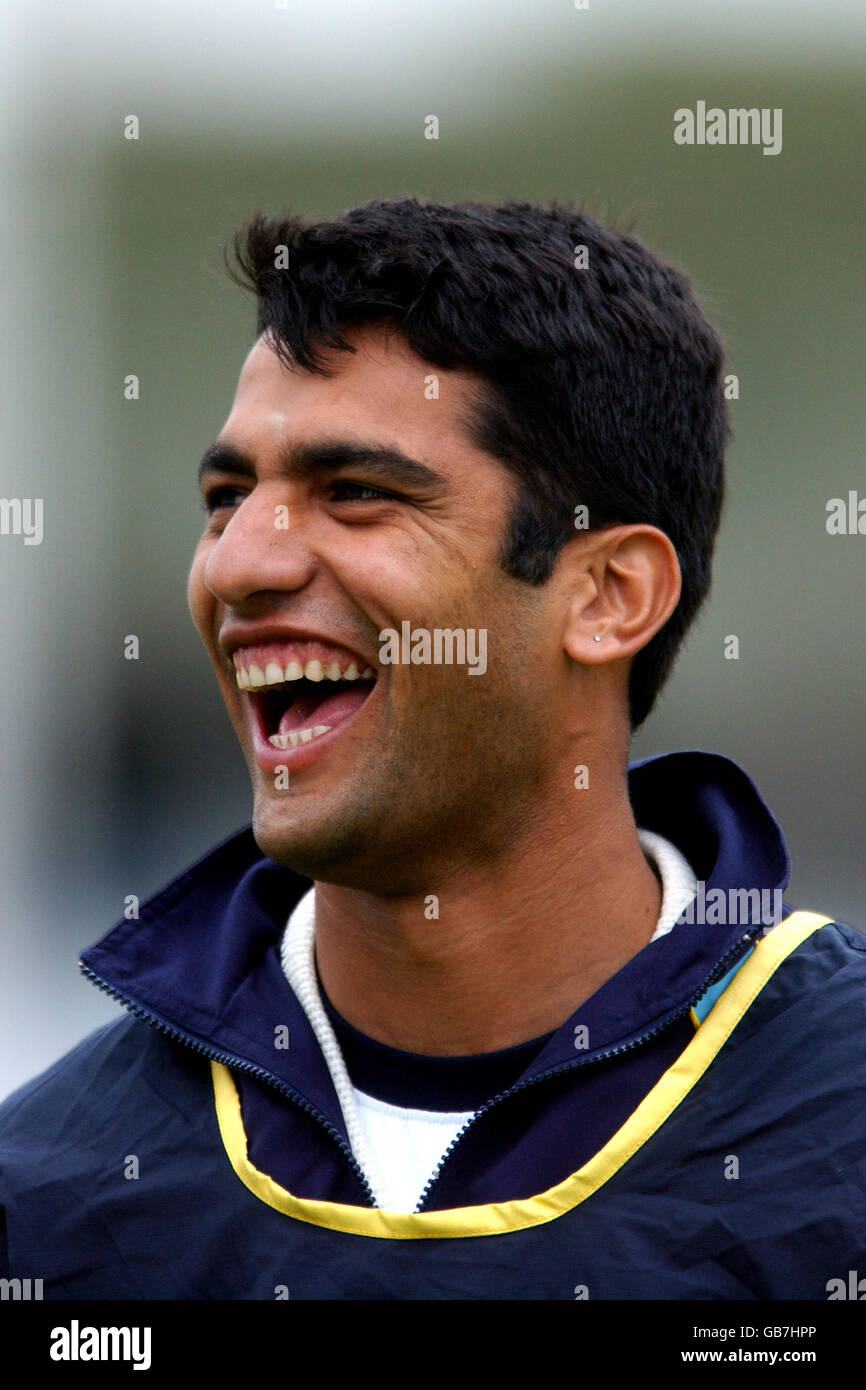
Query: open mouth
{"x": 301, "y": 710}
{"x": 299, "y": 691}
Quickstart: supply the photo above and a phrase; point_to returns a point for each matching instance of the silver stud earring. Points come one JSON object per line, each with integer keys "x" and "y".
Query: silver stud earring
{"x": 597, "y": 637}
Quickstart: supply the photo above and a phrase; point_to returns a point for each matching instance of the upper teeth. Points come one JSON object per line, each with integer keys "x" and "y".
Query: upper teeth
{"x": 253, "y": 677}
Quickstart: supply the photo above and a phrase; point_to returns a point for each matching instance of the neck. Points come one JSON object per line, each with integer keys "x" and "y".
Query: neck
{"x": 499, "y": 954}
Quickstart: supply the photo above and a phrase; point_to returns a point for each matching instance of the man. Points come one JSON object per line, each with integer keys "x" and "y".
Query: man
{"x": 475, "y": 1010}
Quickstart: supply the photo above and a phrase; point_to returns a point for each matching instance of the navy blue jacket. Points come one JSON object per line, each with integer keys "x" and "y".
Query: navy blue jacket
{"x": 710, "y": 1142}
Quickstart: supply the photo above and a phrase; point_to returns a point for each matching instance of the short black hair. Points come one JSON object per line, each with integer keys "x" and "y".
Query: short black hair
{"x": 603, "y": 379}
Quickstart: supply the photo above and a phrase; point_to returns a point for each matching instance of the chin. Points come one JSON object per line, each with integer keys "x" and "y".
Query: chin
{"x": 314, "y": 852}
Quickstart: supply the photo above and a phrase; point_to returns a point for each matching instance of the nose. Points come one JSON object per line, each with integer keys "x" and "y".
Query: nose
{"x": 265, "y": 546}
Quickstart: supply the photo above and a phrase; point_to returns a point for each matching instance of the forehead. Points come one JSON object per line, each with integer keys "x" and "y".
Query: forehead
{"x": 379, "y": 349}
{"x": 383, "y": 391}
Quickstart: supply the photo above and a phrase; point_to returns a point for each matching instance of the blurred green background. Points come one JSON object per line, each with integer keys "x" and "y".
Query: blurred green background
{"x": 118, "y": 773}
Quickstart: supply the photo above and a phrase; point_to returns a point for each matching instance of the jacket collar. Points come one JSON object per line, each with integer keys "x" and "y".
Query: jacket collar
{"x": 202, "y": 959}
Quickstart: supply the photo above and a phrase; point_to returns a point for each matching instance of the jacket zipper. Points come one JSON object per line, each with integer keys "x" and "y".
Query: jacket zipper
{"x": 229, "y": 1060}
{"x": 718, "y": 971}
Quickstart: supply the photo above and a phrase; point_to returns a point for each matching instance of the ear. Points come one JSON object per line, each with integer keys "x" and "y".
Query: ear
{"x": 626, "y": 584}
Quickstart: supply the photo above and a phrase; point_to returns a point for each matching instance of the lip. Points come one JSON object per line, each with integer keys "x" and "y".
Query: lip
{"x": 270, "y": 758}
{"x": 234, "y": 636}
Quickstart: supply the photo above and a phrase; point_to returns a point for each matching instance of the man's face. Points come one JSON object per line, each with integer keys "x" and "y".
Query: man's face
{"x": 309, "y": 556}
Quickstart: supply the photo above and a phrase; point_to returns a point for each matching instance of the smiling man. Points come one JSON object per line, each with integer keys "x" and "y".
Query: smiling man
{"x": 369, "y": 778}
{"x": 475, "y": 1008}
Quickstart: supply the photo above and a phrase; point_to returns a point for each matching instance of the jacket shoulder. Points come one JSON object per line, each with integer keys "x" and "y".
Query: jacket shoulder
{"x": 836, "y": 948}
{"x": 814, "y": 1003}
{"x": 73, "y": 1137}
{"x": 101, "y": 1080}
{"x": 830, "y": 959}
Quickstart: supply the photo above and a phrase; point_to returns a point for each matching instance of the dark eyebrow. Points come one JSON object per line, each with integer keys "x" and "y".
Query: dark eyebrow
{"x": 328, "y": 455}
{"x": 224, "y": 458}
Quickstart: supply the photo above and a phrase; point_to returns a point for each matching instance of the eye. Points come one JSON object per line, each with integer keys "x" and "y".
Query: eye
{"x": 217, "y": 497}
{"x": 345, "y": 486}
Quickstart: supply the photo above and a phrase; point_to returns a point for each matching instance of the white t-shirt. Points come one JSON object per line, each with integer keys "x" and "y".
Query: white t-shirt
{"x": 399, "y": 1149}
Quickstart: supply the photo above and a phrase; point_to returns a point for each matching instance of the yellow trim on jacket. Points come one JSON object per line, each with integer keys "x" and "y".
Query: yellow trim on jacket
{"x": 498, "y": 1217}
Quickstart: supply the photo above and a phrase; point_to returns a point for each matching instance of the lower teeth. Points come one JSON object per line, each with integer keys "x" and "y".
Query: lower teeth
{"x": 296, "y": 736}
